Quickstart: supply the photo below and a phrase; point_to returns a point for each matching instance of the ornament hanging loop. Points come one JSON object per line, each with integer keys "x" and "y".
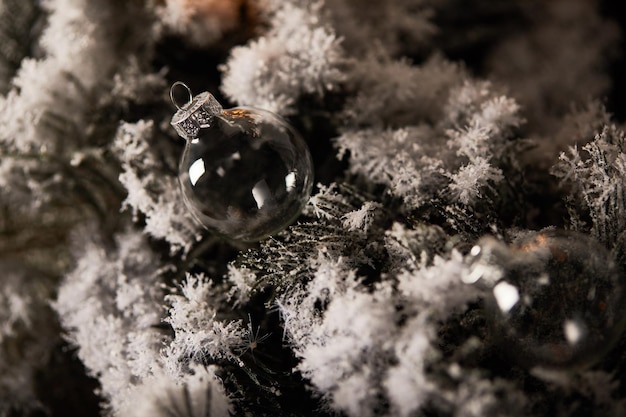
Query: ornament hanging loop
{"x": 194, "y": 115}
{"x": 182, "y": 84}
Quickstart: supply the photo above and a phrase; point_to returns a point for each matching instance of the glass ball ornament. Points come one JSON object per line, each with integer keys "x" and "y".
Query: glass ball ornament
{"x": 245, "y": 173}
{"x": 555, "y": 299}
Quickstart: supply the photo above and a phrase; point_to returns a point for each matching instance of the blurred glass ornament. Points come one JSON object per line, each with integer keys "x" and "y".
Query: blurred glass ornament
{"x": 245, "y": 173}
{"x": 555, "y": 298}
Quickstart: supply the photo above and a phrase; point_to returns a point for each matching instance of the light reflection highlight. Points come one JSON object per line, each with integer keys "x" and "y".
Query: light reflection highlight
{"x": 196, "y": 170}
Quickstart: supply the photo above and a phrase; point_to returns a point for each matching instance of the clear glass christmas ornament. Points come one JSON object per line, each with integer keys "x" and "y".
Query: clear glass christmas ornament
{"x": 245, "y": 173}
{"x": 555, "y": 298}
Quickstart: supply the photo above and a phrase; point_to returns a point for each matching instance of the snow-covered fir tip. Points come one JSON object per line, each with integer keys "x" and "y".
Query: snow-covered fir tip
{"x": 597, "y": 182}
{"x": 198, "y": 335}
{"x": 466, "y": 184}
{"x": 298, "y": 55}
{"x": 362, "y": 218}
{"x": 242, "y": 280}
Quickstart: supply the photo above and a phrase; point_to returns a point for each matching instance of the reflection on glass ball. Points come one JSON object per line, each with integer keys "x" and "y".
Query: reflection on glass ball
{"x": 556, "y": 298}
{"x": 246, "y": 174}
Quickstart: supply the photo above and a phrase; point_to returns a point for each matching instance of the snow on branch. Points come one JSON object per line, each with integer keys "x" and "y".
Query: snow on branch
{"x": 396, "y": 158}
{"x": 110, "y": 305}
{"x": 62, "y": 80}
{"x": 467, "y": 183}
{"x": 46, "y": 118}
{"x": 198, "y": 336}
{"x": 362, "y": 218}
{"x": 393, "y": 93}
{"x": 328, "y": 203}
{"x": 455, "y": 161}
{"x": 298, "y": 55}
{"x": 152, "y": 190}
{"x": 479, "y": 119}
{"x": 17, "y": 36}
{"x": 598, "y": 181}
{"x": 358, "y": 345}
{"x": 343, "y": 360}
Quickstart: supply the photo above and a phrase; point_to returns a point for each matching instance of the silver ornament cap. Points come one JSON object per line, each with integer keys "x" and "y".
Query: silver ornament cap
{"x": 196, "y": 114}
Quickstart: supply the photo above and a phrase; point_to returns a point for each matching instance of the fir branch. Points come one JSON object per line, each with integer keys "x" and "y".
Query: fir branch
{"x": 18, "y": 33}
{"x": 598, "y": 181}
{"x": 198, "y": 336}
